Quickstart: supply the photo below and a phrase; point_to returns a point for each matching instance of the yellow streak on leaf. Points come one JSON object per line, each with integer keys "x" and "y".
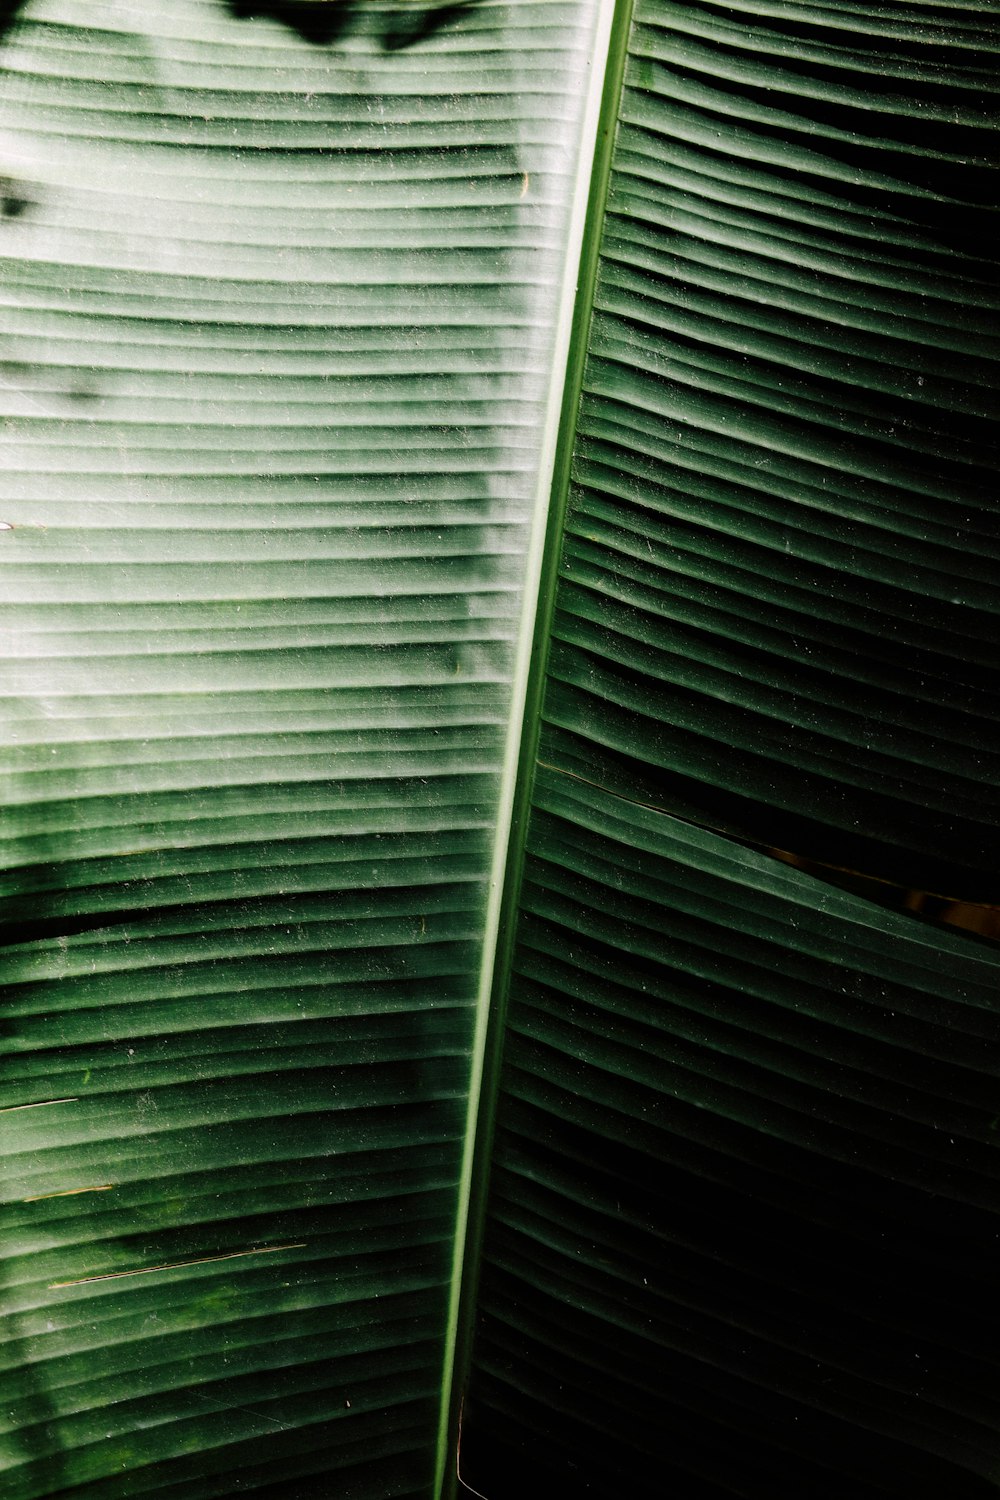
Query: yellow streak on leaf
{"x": 103, "y": 1187}
{"x": 8, "y": 1109}
{"x": 177, "y": 1265}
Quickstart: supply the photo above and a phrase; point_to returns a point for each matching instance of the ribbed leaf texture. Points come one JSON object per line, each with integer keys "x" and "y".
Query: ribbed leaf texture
{"x": 275, "y": 344}
{"x": 743, "y": 1221}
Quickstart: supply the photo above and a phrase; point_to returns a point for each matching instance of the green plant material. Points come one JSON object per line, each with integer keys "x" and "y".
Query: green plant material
{"x": 277, "y": 333}
{"x": 744, "y": 1181}
{"x": 287, "y": 326}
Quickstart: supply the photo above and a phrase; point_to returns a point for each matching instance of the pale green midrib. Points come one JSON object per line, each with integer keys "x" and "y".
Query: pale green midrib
{"x": 613, "y": 20}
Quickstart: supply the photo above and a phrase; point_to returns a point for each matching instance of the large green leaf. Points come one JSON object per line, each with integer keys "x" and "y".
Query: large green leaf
{"x": 290, "y": 353}
{"x": 278, "y": 329}
{"x": 743, "y": 1219}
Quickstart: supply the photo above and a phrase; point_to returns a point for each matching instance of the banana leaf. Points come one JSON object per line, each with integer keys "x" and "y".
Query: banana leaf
{"x": 499, "y": 774}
